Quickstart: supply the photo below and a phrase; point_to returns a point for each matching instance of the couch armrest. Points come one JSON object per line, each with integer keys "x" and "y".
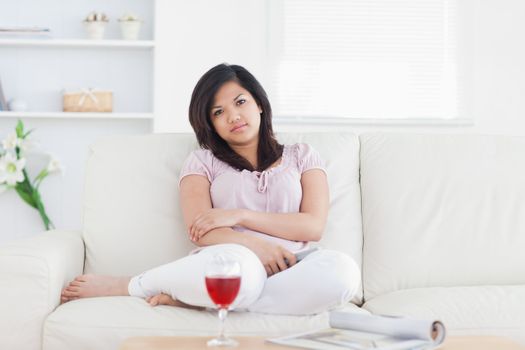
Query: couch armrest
{"x": 32, "y": 273}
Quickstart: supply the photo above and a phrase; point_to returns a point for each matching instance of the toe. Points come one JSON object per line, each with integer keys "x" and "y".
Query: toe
{"x": 68, "y": 294}
{"x": 82, "y": 278}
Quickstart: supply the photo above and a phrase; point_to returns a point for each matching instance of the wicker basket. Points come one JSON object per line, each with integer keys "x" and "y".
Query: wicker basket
{"x": 88, "y": 100}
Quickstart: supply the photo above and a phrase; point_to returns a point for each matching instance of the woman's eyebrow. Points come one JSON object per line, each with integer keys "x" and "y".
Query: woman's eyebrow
{"x": 233, "y": 99}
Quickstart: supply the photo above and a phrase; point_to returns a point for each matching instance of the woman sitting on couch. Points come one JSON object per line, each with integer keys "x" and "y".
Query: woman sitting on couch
{"x": 245, "y": 195}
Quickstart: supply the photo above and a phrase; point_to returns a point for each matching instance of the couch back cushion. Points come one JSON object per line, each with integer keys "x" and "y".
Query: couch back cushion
{"x": 132, "y": 219}
{"x": 442, "y": 210}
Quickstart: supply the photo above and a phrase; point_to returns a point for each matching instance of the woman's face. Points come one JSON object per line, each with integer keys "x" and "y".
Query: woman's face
{"x": 235, "y": 115}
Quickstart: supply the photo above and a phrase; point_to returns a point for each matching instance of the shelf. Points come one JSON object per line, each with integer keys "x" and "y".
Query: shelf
{"x": 78, "y": 43}
{"x": 76, "y": 115}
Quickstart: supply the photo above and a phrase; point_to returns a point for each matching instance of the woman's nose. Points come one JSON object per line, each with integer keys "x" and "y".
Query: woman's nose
{"x": 233, "y": 117}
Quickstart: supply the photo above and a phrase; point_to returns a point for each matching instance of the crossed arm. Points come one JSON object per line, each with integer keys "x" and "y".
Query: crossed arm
{"x": 208, "y": 226}
{"x": 306, "y": 225}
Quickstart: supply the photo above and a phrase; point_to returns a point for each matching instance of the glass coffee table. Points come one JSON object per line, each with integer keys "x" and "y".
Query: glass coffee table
{"x": 255, "y": 343}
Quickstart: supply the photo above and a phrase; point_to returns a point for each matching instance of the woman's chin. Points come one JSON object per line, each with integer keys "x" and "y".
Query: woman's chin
{"x": 242, "y": 139}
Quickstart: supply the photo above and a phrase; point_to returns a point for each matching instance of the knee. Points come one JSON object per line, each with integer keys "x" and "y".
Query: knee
{"x": 251, "y": 289}
{"x": 343, "y": 275}
{"x": 252, "y": 281}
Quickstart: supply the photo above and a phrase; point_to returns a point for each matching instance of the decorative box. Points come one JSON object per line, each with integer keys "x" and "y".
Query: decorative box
{"x": 88, "y": 100}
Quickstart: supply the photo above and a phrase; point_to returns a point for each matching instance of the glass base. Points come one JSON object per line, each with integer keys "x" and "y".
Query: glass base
{"x": 223, "y": 342}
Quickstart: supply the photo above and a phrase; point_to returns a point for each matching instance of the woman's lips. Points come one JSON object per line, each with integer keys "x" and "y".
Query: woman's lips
{"x": 238, "y": 127}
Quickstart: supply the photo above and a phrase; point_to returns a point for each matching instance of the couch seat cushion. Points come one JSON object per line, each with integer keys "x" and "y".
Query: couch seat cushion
{"x": 103, "y": 323}
{"x": 475, "y": 310}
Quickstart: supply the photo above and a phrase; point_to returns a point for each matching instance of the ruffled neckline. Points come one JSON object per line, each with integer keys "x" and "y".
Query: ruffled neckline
{"x": 275, "y": 169}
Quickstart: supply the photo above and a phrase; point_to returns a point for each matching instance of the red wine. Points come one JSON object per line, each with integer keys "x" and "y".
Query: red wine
{"x": 223, "y": 289}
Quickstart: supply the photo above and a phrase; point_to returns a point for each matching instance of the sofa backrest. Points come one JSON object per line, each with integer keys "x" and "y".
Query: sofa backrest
{"x": 442, "y": 210}
{"x": 132, "y": 219}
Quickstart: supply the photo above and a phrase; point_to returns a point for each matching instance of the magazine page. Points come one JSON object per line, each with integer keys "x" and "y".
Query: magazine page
{"x": 399, "y": 327}
{"x": 338, "y": 339}
{"x": 358, "y": 332}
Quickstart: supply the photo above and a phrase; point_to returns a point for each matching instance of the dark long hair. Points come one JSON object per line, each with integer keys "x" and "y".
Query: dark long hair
{"x": 268, "y": 150}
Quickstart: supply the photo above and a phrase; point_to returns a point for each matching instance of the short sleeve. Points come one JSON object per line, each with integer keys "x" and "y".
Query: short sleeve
{"x": 308, "y": 158}
{"x": 199, "y": 162}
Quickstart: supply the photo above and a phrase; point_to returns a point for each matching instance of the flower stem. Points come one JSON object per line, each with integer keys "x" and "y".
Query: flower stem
{"x": 42, "y": 211}
{"x": 31, "y": 196}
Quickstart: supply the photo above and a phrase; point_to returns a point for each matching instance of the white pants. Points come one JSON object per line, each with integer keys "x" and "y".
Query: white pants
{"x": 325, "y": 279}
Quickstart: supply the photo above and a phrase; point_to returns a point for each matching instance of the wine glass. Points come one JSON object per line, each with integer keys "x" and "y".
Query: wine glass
{"x": 223, "y": 281}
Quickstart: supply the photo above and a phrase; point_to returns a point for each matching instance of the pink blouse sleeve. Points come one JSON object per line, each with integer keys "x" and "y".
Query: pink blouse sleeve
{"x": 308, "y": 158}
{"x": 199, "y": 162}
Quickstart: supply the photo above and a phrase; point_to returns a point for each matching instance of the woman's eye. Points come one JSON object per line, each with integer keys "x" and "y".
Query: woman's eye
{"x": 217, "y": 112}
{"x": 241, "y": 102}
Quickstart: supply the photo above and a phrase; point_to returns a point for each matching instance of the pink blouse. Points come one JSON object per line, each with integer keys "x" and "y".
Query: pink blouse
{"x": 276, "y": 190}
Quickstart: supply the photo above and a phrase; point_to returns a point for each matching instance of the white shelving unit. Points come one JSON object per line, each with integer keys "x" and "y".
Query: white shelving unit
{"x": 37, "y": 69}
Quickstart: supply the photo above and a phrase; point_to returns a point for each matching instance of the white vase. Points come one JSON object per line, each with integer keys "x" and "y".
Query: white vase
{"x": 95, "y": 30}
{"x": 17, "y": 105}
{"x": 130, "y": 29}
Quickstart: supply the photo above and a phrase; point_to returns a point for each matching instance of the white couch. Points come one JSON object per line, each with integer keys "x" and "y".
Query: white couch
{"x": 437, "y": 223}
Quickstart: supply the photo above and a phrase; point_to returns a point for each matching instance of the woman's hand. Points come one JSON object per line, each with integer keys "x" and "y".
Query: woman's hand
{"x": 213, "y": 218}
{"x": 272, "y": 255}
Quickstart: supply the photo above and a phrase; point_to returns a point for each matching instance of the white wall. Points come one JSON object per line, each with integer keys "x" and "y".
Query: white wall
{"x": 497, "y": 55}
{"x": 192, "y": 36}
{"x": 207, "y": 32}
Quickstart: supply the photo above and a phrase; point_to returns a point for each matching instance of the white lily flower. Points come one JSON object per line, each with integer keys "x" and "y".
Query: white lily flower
{"x": 54, "y": 166}
{"x": 11, "y": 169}
{"x": 11, "y": 142}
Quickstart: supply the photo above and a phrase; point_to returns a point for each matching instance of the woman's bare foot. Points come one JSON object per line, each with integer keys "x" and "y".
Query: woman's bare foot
{"x": 165, "y": 299}
{"x": 87, "y": 286}
{"x": 161, "y": 299}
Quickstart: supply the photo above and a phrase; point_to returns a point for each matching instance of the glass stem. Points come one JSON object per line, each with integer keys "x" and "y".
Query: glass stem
{"x": 223, "y": 312}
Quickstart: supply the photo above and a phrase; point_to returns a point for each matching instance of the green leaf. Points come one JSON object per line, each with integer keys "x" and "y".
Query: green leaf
{"x": 19, "y": 129}
{"x": 27, "y": 133}
{"x": 26, "y": 196}
{"x": 41, "y": 176}
{"x": 25, "y": 190}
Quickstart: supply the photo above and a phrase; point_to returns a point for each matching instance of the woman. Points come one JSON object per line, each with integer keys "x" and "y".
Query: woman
{"x": 245, "y": 195}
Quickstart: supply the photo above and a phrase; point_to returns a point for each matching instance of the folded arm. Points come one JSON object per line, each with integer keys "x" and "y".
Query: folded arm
{"x": 195, "y": 200}
{"x": 306, "y": 225}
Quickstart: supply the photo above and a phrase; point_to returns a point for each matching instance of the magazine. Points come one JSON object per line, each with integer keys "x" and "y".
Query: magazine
{"x": 360, "y": 331}
{"x": 24, "y": 32}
